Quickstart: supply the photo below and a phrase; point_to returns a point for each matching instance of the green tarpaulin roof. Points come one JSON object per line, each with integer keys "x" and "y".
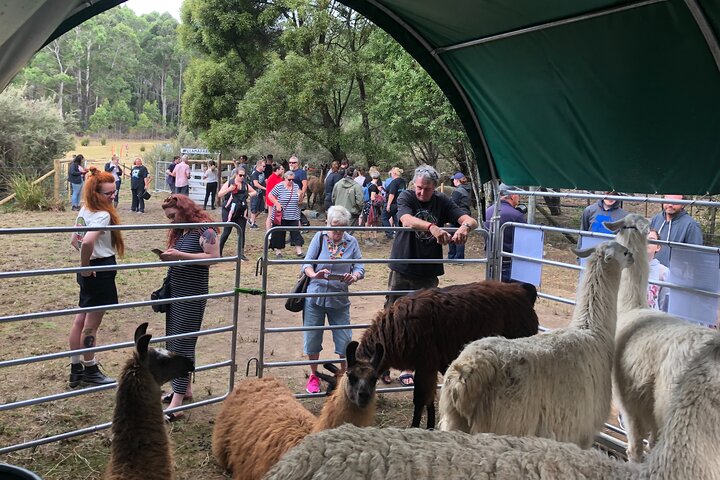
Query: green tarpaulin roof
{"x": 583, "y": 94}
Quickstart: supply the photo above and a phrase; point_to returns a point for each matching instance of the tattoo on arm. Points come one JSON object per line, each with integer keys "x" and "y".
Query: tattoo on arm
{"x": 210, "y": 236}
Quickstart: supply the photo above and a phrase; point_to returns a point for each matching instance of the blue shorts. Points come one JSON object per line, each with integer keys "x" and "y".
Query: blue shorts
{"x": 314, "y": 316}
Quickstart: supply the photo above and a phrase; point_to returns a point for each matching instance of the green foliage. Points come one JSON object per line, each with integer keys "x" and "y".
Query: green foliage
{"x": 103, "y": 141}
{"x": 29, "y": 196}
{"x": 31, "y": 135}
{"x": 142, "y": 148}
{"x": 85, "y": 142}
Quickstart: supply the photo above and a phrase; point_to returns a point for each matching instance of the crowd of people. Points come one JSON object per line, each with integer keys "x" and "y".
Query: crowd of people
{"x": 353, "y": 197}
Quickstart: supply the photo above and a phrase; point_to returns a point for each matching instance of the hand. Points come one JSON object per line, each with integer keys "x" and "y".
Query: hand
{"x": 87, "y": 274}
{"x": 387, "y": 209}
{"x": 441, "y": 236}
{"x": 171, "y": 254}
{"x": 461, "y": 235}
{"x": 349, "y": 278}
{"x": 278, "y": 207}
{"x": 322, "y": 274}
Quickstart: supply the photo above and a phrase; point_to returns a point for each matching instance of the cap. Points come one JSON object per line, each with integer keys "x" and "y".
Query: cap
{"x": 458, "y": 176}
{"x": 503, "y": 189}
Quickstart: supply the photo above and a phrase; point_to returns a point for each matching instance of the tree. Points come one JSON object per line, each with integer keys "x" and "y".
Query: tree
{"x": 121, "y": 116}
{"x": 32, "y": 134}
{"x": 101, "y": 120}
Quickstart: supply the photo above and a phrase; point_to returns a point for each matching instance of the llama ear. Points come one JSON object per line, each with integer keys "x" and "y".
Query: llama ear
{"x": 350, "y": 353}
{"x": 583, "y": 253}
{"x": 141, "y": 345}
{"x": 378, "y": 356}
{"x": 140, "y": 331}
{"x": 615, "y": 226}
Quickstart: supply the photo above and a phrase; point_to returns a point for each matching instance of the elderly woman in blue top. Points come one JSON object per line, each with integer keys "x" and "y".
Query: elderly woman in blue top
{"x": 324, "y": 277}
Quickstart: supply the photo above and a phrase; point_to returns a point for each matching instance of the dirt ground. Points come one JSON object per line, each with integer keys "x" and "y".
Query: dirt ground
{"x": 84, "y": 457}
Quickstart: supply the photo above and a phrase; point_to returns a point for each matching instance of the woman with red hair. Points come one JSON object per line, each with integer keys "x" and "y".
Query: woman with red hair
{"x": 186, "y": 280}
{"x": 98, "y": 247}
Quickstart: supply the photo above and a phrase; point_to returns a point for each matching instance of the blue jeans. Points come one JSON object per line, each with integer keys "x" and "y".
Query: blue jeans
{"x": 76, "y": 194}
{"x": 456, "y": 251}
{"x": 314, "y": 316}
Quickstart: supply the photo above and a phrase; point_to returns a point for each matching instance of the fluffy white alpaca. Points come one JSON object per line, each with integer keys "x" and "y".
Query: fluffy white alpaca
{"x": 651, "y": 347}
{"x": 555, "y": 385}
{"x": 687, "y": 450}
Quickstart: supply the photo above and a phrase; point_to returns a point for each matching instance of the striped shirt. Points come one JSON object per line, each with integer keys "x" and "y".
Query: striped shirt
{"x": 289, "y": 201}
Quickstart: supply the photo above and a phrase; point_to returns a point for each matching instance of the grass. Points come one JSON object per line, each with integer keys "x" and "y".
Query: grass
{"x": 96, "y": 151}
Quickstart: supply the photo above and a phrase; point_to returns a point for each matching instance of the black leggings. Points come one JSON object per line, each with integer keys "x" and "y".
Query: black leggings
{"x": 238, "y": 218}
{"x": 210, "y": 190}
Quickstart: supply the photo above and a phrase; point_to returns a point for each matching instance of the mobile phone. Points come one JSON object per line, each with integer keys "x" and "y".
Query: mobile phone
{"x": 335, "y": 276}
{"x": 157, "y": 251}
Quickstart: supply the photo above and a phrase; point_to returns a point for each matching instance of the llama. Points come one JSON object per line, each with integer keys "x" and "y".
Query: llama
{"x": 316, "y": 189}
{"x": 426, "y": 330}
{"x": 687, "y": 449}
{"x": 556, "y": 384}
{"x": 261, "y": 419}
{"x": 141, "y": 446}
{"x": 651, "y": 347}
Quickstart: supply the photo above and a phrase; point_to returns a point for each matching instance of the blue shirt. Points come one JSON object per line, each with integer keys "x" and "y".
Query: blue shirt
{"x": 351, "y": 249}
{"x": 300, "y": 175}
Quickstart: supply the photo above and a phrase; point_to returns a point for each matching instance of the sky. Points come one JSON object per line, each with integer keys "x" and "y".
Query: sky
{"x": 147, "y": 6}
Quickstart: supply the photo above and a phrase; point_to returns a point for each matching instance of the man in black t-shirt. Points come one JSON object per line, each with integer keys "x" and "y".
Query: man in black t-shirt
{"x": 257, "y": 203}
{"x": 139, "y": 182}
{"x": 396, "y": 186}
{"x": 423, "y": 209}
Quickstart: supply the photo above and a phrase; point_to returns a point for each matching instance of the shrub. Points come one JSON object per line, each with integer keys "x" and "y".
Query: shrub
{"x": 142, "y": 148}
{"x": 103, "y": 141}
{"x": 85, "y": 142}
{"x": 29, "y": 196}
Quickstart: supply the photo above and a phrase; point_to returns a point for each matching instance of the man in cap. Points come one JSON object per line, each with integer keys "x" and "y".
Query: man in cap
{"x": 508, "y": 213}
{"x": 605, "y": 210}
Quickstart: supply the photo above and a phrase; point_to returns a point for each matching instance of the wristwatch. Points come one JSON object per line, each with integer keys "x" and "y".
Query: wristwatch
{"x": 467, "y": 225}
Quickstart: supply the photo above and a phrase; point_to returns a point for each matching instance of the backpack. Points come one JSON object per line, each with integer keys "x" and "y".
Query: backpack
{"x": 366, "y": 193}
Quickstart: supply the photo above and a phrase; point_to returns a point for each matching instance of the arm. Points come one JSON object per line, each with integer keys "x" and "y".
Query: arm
{"x": 257, "y": 185}
{"x": 226, "y": 188}
{"x": 585, "y": 220}
{"x": 86, "y": 250}
{"x": 251, "y": 191}
{"x": 147, "y": 179}
{"x": 694, "y": 234}
{"x": 307, "y": 268}
{"x": 274, "y": 200}
{"x": 208, "y": 242}
{"x": 390, "y": 199}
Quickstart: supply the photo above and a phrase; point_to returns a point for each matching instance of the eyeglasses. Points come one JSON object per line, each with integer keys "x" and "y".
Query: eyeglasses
{"x": 292, "y": 163}
{"x": 240, "y": 174}
{"x": 109, "y": 194}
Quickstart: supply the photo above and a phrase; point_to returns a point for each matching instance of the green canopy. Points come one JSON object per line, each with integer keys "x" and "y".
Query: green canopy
{"x": 585, "y": 94}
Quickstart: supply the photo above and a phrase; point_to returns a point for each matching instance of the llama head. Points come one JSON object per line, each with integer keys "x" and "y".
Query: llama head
{"x": 163, "y": 365}
{"x": 629, "y": 224}
{"x": 362, "y": 375}
{"x": 608, "y": 252}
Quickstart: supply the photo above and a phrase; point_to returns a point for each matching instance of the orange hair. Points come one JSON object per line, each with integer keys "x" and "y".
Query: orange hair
{"x": 188, "y": 212}
{"x": 95, "y": 201}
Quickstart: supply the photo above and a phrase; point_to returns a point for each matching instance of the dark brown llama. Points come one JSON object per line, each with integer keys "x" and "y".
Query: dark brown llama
{"x": 425, "y": 331}
{"x": 140, "y": 445}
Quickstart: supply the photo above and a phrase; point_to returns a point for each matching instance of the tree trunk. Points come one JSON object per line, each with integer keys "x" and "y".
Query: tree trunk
{"x": 365, "y": 118}
{"x": 163, "y": 96}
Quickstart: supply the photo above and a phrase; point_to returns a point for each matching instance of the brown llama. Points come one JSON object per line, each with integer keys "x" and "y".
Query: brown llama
{"x": 140, "y": 445}
{"x": 316, "y": 189}
{"x": 261, "y": 419}
{"x": 426, "y": 330}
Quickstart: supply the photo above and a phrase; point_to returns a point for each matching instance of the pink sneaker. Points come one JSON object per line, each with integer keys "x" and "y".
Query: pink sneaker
{"x": 313, "y": 384}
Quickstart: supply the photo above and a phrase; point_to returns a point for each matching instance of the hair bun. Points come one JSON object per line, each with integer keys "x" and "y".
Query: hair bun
{"x": 92, "y": 169}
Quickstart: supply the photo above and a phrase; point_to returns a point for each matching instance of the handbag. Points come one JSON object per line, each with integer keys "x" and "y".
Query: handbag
{"x": 160, "y": 294}
{"x": 146, "y": 195}
{"x": 278, "y": 216}
{"x": 297, "y": 304}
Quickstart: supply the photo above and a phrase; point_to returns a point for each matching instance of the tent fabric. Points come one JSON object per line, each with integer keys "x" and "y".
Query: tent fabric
{"x": 587, "y": 94}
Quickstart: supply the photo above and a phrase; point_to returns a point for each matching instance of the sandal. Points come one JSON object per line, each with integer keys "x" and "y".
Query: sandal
{"x": 173, "y": 417}
{"x": 168, "y": 398}
{"x": 407, "y": 379}
{"x": 386, "y": 378}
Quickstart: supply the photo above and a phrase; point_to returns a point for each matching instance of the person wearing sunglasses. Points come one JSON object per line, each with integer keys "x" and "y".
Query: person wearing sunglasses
{"x": 235, "y": 193}
{"x": 97, "y": 248}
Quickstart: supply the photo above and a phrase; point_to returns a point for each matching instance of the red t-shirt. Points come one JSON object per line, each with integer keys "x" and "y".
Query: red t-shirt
{"x": 270, "y": 184}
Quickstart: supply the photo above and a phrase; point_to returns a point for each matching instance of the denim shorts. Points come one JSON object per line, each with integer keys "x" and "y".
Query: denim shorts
{"x": 314, "y": 316}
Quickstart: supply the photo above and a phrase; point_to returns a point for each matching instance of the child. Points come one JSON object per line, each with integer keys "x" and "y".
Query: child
{"x": 657, "y": 295}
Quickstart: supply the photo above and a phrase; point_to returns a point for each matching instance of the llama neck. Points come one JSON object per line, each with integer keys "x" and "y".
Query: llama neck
{"x": 634, "y": 279}
{"x": 140, "y": 440}
{"x": 338, "y": 410}
{"x": 689, "y": 440}
{"x": 596, "y": 305}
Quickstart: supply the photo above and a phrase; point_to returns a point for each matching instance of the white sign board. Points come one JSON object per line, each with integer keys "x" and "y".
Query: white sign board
{"x": 197, "y": 151}
{"x": 528, "y": 243}
{"x": 589, "y": 242}
{"x": 694, "y": 269}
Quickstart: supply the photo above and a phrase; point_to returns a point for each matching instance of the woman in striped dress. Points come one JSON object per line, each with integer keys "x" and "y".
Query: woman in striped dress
{"x": 285, "y": 197}
{"x": 186, "y": 280}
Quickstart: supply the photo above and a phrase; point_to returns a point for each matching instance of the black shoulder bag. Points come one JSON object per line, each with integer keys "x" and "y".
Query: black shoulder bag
{"x": 297, "y": 304}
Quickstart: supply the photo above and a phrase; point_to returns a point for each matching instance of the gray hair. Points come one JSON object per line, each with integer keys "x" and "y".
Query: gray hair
{"x": 288, "y": 173}
{"x": 428, "y": 173}
{"x": 339, "y": 215}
